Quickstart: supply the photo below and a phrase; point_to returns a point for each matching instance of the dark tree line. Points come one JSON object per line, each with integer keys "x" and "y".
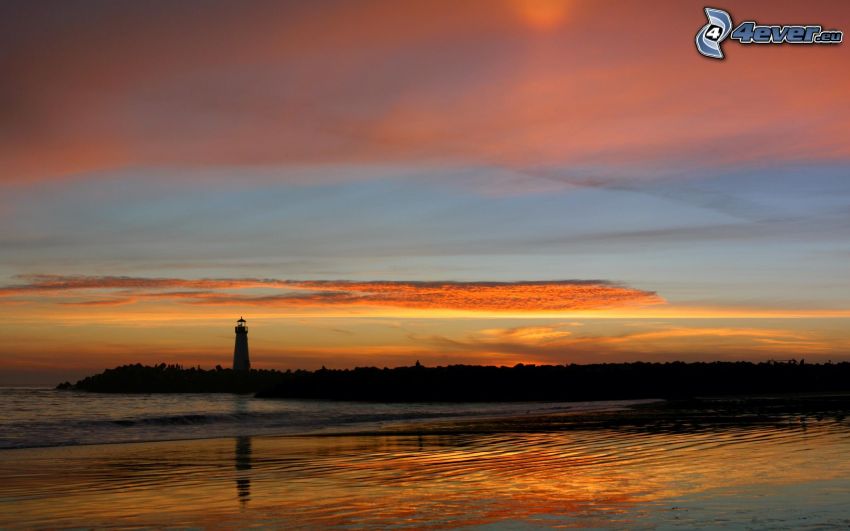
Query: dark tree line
{"x": 608, "y": 381}
{"x": 164, "y": 378}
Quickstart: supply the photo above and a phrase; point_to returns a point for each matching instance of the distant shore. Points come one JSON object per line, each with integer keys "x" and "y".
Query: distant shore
{"x": 470, "y": 383}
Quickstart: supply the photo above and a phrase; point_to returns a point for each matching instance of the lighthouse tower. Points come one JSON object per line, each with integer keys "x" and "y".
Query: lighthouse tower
{"x": 240, "y": 351}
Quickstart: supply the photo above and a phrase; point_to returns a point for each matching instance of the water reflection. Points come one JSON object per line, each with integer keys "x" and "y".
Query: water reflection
{"x": 628, "y": 477}
{"x": 243, "y": 463}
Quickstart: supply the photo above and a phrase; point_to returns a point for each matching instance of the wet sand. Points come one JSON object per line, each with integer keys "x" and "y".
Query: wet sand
{"x": 665, "y": 465}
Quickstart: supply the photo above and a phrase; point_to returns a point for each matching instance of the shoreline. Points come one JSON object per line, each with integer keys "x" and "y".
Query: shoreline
{"x": 381, "y": 427}
{"x": 698, "y": 414}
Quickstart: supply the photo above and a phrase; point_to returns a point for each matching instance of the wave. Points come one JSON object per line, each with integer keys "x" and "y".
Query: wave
{"x": 333, "y": 417}
{"x": 192, "y": 426}
{"x": 117, "y": 419}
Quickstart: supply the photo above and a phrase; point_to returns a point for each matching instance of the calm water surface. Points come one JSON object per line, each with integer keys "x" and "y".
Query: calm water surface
{"x": 793, "y": 473}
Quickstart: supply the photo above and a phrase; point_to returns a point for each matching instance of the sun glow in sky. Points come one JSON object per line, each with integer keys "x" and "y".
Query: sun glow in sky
{"x": 543, "y": 14}
{"x": 376, "y": 182}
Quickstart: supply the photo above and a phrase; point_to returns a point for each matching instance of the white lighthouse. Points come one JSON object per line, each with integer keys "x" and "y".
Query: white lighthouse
{"x": 240, "y": 351}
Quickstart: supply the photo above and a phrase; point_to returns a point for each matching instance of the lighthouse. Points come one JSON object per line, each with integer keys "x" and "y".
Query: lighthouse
{"x": 240, "y": 351}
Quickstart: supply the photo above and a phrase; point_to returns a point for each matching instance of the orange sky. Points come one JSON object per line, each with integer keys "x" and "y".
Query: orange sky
{"x": 374, "y": 182}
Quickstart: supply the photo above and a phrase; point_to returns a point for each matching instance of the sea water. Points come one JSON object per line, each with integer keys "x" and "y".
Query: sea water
{"x": 409, "y": 466}
{"x": 33, "y": 417}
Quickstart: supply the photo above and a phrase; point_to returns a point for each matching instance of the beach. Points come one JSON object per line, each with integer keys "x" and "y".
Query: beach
{"x": 599, "y": 467}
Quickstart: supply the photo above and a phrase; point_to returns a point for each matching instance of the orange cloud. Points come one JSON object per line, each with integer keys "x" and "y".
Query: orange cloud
{"x": 527, "y": 334}
{"x": 531, "y": 296}
{"x": 194, "y": 84}
{"x": 553, "y": 344}
{"x": 482, "y": 296}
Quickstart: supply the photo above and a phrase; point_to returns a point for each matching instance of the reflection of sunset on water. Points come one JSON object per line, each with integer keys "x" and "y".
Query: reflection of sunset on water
{"x": 574, "y": 478}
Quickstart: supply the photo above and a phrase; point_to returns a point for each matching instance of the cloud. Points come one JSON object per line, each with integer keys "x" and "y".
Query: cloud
{"x": 94, "y": 85}
{"x": 557, "y": 295}
{"x": 553, "y": 344}
{"x": 55, "y": 283}
{"x": 527, "y": 334}
{"x": 102, "y": 302}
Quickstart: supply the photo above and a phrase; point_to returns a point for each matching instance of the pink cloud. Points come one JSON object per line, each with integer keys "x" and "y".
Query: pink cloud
{"x": 515, "y": 83}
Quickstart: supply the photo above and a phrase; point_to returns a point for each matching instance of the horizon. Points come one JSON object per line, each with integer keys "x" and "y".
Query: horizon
{"x": 449, "y": 182}
{"x": 793, "y": 361}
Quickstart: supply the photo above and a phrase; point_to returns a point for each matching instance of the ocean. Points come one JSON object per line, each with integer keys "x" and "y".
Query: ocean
{"x": 74, "y": 460}
{"x": 46, "y": 417}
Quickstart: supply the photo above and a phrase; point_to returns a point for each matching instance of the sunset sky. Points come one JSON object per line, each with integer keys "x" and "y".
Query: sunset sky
{"x": 380, "y": 182}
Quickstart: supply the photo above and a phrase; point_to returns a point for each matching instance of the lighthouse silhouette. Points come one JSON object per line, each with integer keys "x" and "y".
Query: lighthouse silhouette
{"x": 240, "y": 351}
